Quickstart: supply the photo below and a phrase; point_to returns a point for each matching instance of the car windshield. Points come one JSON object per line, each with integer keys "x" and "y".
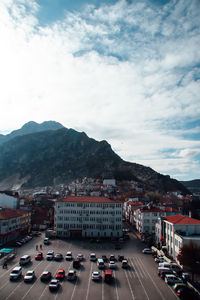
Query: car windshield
{"x": 15, "y": 271}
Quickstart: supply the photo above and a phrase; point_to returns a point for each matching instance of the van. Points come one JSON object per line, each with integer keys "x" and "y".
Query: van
{"x": 16, "y": 273}
{"x": 108, "y": 276}
{"x": 100, "y": 263}
{"x": 24, "y": 260}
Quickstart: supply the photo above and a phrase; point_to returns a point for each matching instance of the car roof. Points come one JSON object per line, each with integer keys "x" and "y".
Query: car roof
{"x": 17, "y": 268}
{"x": 108, "y": 272}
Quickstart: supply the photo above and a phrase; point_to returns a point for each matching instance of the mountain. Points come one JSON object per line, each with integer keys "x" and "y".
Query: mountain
{"x": 192, "y": 185}
{"x": 31, "y": 127}
{"x": 60, "y": 156}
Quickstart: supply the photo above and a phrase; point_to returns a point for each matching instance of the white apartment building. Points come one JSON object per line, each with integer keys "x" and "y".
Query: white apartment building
{"x": 12, "y": 223}
{"x": 77, "y": 216}
{"x": 146, "y": 218}
{"x": 180, "y": 230}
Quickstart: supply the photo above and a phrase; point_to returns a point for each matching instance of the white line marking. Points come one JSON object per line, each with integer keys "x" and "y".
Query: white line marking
{"x": 143, "y": 287}
{"x": 89, "y": 280}
{"x": 133, "y": 297}
{"x": 116, "y": 286}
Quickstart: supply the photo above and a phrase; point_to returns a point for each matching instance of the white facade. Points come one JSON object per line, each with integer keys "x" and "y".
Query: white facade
{"x": 179, "y": 230}
{"x": 146, "y": 219}
{"x": 88, "y": 217}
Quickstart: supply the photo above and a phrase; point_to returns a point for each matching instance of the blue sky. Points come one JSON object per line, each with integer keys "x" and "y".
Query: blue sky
{"x": 125, "y": 71}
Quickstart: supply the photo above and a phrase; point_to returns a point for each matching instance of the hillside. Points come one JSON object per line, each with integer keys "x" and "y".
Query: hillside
{"x": 60, "y": 156}
{"x": 192, "y": 185}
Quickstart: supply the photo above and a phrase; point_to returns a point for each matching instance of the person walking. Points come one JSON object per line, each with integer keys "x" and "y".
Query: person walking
{"x": 36, "y": 247}
{"x": 40, "y": 247}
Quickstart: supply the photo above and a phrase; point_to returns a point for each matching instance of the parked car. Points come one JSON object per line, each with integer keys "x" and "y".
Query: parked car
{"x": 147, "y": 251}
{"x": 121, "y": 257}
{"x": 124, "y": 263}
{"x": 159, "y": 259}
{"x": 16, "y": 273}
{"x": 93, "y": 257}
{"x": 178, "y": 286}
{"x": 54, "y": 284}
{"x": 45, "y": 276}
{"x": 104, "y": 257}
{"x": 76, "y": 264}
{"x": 187, "y": 293}
{"x": 68, "y": 255}
{"x": 71, "y": 275}
{"x": 58, "y": 257}
{"x": 46, "y": 241}
{"x": 80, "y": 257}
{"x": 171, "y": 279}
{"x": 108, "y": 277}
{"x": 96, "y": 276}
{"x": 50, "y": 255}
{"x": 112, "y": 264}
{"x": 24, "y": 260}
{"x": 112, "y": 257}
{"x": 165, "y": 272}
{"x": 29, "y": 276}
{"x": 60, "y": 274}
{"x": 39, "y": 256}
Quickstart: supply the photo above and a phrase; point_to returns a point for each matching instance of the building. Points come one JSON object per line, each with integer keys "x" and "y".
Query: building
{"x": 98, "y": 217}
{"x": 111, "y": 182}
{"x": 9, "y": 201}
{"x": 180, "y": 230}
{"x": 13, "y": 223}
{"x": 146, "y": 219}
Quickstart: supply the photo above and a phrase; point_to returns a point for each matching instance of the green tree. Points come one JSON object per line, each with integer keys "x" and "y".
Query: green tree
{"x": 189, "y": 257}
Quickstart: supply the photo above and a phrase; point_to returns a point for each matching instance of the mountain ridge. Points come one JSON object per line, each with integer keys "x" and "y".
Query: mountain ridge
{"x": 61, "y": 155}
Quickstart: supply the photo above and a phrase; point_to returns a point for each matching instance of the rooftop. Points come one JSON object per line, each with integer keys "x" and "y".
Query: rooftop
{"x": 180, "y": 219}
{"x": 88, "y": 199}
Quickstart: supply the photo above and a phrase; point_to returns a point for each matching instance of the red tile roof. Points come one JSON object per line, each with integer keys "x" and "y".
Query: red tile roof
{"x": 88, "y": 199}
{"x": 180, "y": 219}
{"x": 9, "y": 213}
{"x": 151, "y": 210}
{"x": 171, "y": 209}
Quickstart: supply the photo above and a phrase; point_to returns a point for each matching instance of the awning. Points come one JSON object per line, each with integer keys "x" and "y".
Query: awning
{"x": 6, "y": 250}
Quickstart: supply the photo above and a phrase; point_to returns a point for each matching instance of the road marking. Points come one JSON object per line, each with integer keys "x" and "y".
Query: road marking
{"x": 102, "y": 286}
{"x": 89, "y": 280}
{"x": 143, "y": 287}
{"x": 133, "y": 297}
{"x": 137, "y": 270}
{"x": 153, "y": 282}
{"x": 116, "y": 286}
{"x": 140, "y": 267}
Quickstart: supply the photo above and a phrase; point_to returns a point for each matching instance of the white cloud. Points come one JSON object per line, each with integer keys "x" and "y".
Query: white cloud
{"x": 69, "y": 72}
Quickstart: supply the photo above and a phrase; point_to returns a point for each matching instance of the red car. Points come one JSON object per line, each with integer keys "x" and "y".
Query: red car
{"x": 39, "y": 256}
{"x": 60, "y": 274}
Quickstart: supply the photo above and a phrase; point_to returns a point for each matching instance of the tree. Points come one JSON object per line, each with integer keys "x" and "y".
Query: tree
{"x": 189, "y": 256}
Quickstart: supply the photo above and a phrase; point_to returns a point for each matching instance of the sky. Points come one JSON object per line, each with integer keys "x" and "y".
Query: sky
{"x": 124, "y": 71}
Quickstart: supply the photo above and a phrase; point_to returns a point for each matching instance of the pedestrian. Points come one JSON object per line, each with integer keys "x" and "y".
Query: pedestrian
{"x": 36, "y": 247}
{"x": 41, "y": 247}
{"x": 5, "y": 264}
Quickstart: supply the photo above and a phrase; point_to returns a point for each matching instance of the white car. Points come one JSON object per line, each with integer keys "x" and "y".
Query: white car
{"x": 147, "y": 251}
{"x": 54, "y": 284}
{"x": 112, "y": 265}
{"x": 96, "y": 275}
{"x": 171, "y": 279}
{"x": 159, "y": 259}
{"x": 16, "y": 273}
{"x": 29, "y": 276}
{"x": 80, "y": 257}
{"x": 68, "y": 255}
{"x": 50, "y": 255}
{"x": 93, "y": 257}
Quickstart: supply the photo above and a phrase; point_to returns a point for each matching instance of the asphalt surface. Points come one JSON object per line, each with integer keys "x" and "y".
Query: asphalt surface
{"x": 139, "y": 282}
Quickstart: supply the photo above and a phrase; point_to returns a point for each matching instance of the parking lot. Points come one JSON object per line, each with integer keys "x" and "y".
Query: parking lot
{"x": 139, "y": 281}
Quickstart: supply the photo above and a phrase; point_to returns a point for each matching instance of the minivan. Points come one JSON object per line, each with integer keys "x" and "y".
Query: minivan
{"x": 16, "y": 273}
{"x": 25, "y": 259}
{"x": 100, "y": 263}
